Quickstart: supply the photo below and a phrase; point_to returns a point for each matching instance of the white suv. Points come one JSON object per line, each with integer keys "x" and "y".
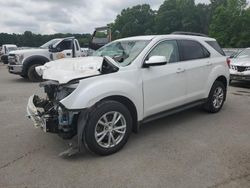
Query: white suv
{"x": 101, "y": 99}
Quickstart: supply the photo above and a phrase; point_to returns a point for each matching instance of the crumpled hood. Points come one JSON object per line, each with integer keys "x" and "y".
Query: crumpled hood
{"x": 65, "y": 70}
{"x": 240, "y": 61}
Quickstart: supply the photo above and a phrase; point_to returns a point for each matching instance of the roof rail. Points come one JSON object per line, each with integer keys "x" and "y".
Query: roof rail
{"x": 188, "y": 33}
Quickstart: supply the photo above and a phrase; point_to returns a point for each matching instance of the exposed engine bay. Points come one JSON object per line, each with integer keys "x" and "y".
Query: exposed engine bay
{"x": 56, "y": 118}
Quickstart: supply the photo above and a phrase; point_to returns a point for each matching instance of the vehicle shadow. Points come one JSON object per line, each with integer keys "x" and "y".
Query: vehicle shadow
{"x": 240, "y": 84}
{"x": 151, "y": 129}
{"x": 20, "y": 80}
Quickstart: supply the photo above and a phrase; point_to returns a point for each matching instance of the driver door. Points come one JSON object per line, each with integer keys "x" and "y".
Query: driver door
{"x": 164, "y": 86}
{"x": 64, "y": 50}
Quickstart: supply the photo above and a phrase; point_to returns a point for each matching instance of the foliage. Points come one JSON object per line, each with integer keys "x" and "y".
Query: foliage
{"x": 230, "y": 24}
{"x": 138, "y": 20}
{"x": 29, "y": 39}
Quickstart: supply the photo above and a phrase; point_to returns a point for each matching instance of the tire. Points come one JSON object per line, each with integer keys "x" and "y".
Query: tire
{"x": 216, "y": 98}
{"x": 96, "y": 124}
{"x": 32, "y": 74}
{"x": 24, "y": 76}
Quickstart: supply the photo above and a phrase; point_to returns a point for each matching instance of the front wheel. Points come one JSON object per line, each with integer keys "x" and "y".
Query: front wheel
{"x": 216, "y": 97}
{"x": 32, "y": 74}
{"x": 108, "y": 128}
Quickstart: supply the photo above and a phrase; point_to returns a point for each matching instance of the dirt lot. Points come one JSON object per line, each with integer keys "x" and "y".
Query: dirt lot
{"x": 189, "y": 149}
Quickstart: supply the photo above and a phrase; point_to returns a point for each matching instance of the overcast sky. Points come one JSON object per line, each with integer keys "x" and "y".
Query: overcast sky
{"x": 65, "y": 16}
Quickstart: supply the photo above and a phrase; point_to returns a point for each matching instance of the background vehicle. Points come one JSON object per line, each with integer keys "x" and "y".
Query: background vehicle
{"x": 100, "y": 37}
{"x": 102, "y": 98}
{"x": 23, "y": 62}
{"x": 232, "y": 52}
{"x": 5, "y": 50}
{"x": 240, "y": 66}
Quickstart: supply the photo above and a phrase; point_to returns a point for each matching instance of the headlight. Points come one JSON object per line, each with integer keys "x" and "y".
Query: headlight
{"x": 19, "y": 58}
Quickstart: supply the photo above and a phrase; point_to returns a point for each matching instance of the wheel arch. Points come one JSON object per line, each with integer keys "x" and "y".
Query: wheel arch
{"x": 129, "y": 105}
{"x": 223, "y": 80}
{"x": 36, "y": 59}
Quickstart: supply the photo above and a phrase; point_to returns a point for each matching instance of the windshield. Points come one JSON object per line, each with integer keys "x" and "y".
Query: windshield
{"x": 53, "y": 41}
{"x": 244, "y": 54}
{"x": 123, "y": 52}
{"x": 12, "y": 49}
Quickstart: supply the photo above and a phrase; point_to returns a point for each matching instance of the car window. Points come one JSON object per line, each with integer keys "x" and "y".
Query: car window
{"x": 65, "y": 45}
{"x": 216, "y": 46}
{"x": 123, "y": 52}
{"x": 169, "y": 49}
{"x": 244, "y": 54}
{"x": 192, "y": 50}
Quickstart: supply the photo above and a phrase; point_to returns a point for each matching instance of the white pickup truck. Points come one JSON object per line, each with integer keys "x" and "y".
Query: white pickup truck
{"x": 23, "y": 62}
{"x": 5, "y": 50}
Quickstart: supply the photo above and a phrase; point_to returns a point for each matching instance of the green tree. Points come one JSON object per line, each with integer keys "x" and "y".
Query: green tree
{"x": 137, "y": 20}
{"x": 178, "y": 15}
{"x": 230, "y": 23}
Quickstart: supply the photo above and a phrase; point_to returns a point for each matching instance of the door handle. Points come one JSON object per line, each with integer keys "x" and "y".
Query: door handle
{"x": 68, "y": 54}
{"x": 180, "y": 70}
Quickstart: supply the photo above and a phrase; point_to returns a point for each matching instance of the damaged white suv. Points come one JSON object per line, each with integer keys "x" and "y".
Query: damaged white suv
{"x": 101, "y": 99}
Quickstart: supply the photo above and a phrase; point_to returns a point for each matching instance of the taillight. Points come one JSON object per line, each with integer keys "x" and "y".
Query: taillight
{"x": 228, "y": 62}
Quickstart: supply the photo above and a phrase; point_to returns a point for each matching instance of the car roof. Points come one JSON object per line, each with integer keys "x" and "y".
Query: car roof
{"x": 170, "y": 36}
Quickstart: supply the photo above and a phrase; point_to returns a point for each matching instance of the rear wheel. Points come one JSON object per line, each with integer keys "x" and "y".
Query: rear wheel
{"x": 32, "y": 74}
{"x": 108, "y": 128}
{"x": 216, "y": 97}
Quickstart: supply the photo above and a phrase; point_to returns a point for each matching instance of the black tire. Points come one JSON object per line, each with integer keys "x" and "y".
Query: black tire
{"x": 210, "y": 106}
{"x": 230, "y": 82}
{"x": 24, "y": 76}
{"x": 32, "y": 74}
{"x": 96, "y": 113}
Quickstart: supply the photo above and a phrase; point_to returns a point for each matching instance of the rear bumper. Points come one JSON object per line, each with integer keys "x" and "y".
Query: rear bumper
{"x": 15, "y": 69}
{"x": 33, "y": 114}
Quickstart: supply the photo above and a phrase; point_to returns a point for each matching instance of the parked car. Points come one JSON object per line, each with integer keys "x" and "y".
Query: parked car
{"x": 240, "y": 66}
{"x": 102, "y": 98}
{"x": 5, "y": 50}
{"x": 232, "y": 52}
{"x": 23, "y": 62}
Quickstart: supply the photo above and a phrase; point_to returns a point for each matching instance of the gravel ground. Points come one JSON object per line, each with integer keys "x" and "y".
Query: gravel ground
{"x": 189, "y": 149}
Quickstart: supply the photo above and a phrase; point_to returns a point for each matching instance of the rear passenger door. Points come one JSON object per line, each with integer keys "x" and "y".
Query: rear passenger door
{"x": 198, "y": 67}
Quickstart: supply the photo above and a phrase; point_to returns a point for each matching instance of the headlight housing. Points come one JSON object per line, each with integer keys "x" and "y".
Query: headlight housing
{"x": 19, "y": 58}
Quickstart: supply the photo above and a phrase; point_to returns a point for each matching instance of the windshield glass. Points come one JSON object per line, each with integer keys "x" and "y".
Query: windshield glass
{"x": 53, "y": 41}
{"x": 244, "y": 54}
{"x": 12, "y": 49}
{"x": 123, "y": 52}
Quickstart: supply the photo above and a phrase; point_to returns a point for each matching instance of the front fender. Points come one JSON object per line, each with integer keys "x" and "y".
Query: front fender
{"x": 92, "y": 90}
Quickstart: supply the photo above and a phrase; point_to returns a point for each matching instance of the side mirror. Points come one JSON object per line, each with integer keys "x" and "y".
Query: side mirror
{"x": 53, "y": 49}
{"x": 156, "y": 60}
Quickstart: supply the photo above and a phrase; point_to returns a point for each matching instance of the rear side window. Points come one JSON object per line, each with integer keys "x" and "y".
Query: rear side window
{"x": 216, "y": 46}
{"x": 192, "y": 50}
